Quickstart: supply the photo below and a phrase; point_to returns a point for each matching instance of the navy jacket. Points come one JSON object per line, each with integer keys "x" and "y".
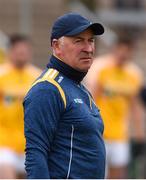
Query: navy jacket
{"x": 63, "y": 127}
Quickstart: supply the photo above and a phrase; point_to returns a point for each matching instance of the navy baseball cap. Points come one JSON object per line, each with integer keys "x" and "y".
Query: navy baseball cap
{"x": 72, "y": 24}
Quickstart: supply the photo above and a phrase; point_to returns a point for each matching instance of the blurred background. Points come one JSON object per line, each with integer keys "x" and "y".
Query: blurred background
{"x": 35, "y": 18}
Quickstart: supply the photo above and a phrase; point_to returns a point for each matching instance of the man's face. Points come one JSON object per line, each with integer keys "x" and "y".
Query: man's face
{"x": 20, "y": 54}
{"x": 77, "y": 51}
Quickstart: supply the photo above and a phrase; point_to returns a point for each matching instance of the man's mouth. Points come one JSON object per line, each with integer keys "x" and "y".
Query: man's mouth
{"x": 86, "y": 58}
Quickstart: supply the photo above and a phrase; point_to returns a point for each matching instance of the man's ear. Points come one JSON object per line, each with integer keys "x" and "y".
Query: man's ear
{"x": 55, "y": 43}
{"x": 56, "y": 46}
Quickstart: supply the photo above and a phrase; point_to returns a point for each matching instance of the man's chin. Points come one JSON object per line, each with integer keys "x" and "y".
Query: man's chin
{"x": 85, "y": 68}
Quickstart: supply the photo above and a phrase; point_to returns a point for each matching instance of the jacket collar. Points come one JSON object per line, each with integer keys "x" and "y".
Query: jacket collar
{"x": 65, "y": 69}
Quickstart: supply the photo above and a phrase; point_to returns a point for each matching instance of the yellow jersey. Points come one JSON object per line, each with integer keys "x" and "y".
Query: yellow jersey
{"x": 2, "y": 56}
{"x": 117, "y": 85}
{"x": 14, "y": 84}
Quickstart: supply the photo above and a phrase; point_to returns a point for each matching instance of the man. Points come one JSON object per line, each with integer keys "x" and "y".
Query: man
{"x": 115, "y": 83}
{"x": 16, "y": 76}
{"x": 63, "y": 127}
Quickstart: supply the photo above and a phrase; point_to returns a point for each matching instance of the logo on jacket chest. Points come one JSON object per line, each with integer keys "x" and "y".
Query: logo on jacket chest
{"x": 78, "y": 101}
{"x": 60, "y": 79}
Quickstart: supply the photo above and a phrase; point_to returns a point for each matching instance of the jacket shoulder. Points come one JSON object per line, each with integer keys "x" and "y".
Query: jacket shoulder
{"x": 47, "y": 82}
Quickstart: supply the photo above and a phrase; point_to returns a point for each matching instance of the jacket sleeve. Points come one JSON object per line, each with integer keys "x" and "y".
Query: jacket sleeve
{"x": 42, "y": 110}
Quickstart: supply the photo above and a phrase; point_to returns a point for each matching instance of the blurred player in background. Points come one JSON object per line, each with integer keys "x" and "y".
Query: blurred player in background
{"x": 3, "y": 46}
{"x": 143, "y": 95}
{"x": 138, "y": 149}
{"x": 16, "y": 76}
{"x": 2, "y": 55}
{"x": 115, "y": 82}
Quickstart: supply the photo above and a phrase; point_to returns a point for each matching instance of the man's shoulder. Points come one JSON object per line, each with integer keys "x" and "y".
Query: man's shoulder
{"x": 40, "y": 90}
{"x": 134, "y": 70}
{"x": 102, "y": 63}
{"x": 44, "y": 83}
{"x": 5, "y": 69}
{"x": 33, "y": 70}
{"x": 47, "y": 84}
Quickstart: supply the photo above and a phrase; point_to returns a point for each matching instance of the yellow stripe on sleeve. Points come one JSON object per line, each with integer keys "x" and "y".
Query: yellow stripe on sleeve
{"x": 49, "y": 76}
{"x": 59, "y": 88}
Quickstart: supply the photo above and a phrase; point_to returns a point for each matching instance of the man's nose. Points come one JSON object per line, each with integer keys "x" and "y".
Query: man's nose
{"x": 88, "y": 47}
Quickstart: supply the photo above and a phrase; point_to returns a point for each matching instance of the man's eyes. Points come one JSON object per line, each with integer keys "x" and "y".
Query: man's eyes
{"x": 78, "y": 40}
{"x": 82, "y": 40}
{"x": 91, "y": 40}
